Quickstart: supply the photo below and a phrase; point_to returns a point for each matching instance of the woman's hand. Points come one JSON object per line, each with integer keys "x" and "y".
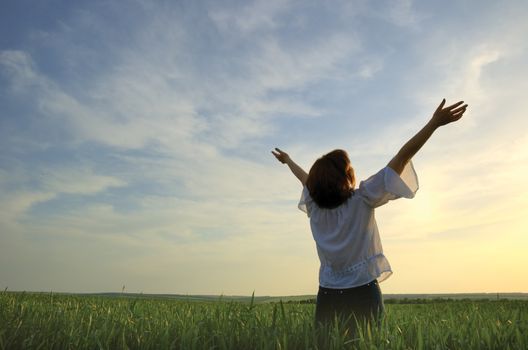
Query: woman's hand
{"x": 284, "y": 158}
{"x": 281, "y": 156}
{"x": 443, "y": 116}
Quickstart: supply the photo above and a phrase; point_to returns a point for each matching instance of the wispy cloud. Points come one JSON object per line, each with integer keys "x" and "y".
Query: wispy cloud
{"x": 250, "y": 17}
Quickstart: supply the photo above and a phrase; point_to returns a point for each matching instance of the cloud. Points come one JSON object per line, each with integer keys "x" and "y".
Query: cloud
{"x": 402, "y": 13}
{"x": 155, "y": 96}
{"x": 19, "y": 65}
{"x": 22, "y": 191}
{"x": 155, "y": 99}
{"x": 14, "y": 205}
{"x": 77, "y": 181}
{"x": 249, "y": 17}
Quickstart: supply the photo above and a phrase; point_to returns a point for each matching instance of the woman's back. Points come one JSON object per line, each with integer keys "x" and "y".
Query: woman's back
{"x": 347, "y": 237}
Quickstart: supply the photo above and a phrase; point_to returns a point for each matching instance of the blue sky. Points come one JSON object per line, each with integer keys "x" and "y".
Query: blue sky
{"x": 135, "y": 140}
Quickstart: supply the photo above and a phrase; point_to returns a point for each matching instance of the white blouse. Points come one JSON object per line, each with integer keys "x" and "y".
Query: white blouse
{"x": 347, "y": 237}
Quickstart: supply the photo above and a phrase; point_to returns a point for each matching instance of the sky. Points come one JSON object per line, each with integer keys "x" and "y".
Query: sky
{"x": 135, "y": 141}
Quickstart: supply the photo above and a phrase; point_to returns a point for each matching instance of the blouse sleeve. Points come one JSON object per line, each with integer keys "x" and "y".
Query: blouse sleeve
{"x": 387, "y": 185}
{"x": 306, "y": 201}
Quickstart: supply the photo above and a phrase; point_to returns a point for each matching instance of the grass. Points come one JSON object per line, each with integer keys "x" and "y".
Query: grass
{"x": 55, "y": 321}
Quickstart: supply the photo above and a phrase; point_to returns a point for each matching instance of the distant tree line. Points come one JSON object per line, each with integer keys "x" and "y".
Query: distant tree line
{"x": 403, "y": 301}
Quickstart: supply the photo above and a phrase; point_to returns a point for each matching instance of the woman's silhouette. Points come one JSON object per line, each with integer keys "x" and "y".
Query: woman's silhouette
{"x": 344, "y": 227}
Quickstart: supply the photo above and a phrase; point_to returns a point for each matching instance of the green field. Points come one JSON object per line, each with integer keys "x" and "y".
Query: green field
{"x": 47, "y": 321}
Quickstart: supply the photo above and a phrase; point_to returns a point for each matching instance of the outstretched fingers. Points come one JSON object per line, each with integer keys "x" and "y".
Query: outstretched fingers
{"x": 277, "y": 152}
{"x": 280, "y": 155}
{"x": 459, "y": 109}
{"x": 459, "y": 112}
{"x": 455, "y": 105}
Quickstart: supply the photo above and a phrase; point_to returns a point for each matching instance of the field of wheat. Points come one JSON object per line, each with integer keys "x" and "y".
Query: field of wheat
{"x": 58, "y": 321}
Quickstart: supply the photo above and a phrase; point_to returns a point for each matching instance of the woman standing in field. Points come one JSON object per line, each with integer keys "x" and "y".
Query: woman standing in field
{"x": 343, "y": 224}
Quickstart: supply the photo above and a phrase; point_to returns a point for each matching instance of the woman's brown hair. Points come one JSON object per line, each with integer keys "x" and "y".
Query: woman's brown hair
{"x": 331, "y": 179}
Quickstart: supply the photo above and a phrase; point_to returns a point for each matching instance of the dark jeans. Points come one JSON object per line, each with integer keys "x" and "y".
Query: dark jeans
{"x": 363, "y": 303}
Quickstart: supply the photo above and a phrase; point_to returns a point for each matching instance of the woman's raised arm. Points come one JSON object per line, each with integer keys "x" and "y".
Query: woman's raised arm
{"x": 441, "y": 116}
{"x": 284, "y": 158}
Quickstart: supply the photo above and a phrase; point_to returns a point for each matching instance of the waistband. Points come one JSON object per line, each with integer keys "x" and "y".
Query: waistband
{"x": 347, "y": 290}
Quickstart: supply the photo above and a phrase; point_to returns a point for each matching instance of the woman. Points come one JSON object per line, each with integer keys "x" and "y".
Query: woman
{"x": 343, "y": 224}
